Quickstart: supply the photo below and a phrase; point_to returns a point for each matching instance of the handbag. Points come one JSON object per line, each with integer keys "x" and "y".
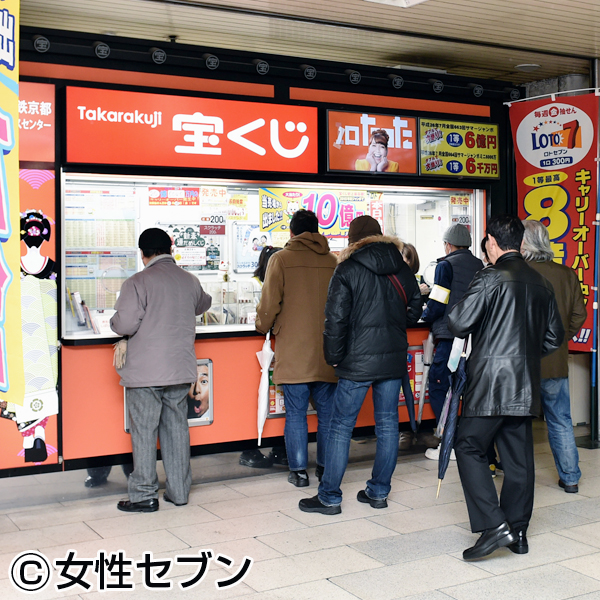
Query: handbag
{"x": 120, "y": 353}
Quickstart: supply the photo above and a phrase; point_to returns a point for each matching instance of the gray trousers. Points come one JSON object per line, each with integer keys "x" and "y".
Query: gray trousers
{"x": 162, "y": 412}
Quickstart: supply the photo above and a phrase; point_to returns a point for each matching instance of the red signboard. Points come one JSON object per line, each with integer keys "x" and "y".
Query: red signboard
{"x": 555, "y": 150}
{"x": 130, "y": 128}
{"x": 36, "y": 122}
{"x": 212, "y": 229}
{"x": 377, "y": 143}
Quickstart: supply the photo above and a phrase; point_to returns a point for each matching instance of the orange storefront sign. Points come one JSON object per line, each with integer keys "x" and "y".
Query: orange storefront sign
{"x": 36, "y": 122}
{"x": 368, "y": 142}
{"x": 131, "y": 128}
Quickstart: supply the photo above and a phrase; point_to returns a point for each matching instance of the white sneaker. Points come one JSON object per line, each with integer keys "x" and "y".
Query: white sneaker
{"x": 434, "y": 453}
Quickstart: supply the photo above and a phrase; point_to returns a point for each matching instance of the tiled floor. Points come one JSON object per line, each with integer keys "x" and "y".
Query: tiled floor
{"x": 411, "y": 550}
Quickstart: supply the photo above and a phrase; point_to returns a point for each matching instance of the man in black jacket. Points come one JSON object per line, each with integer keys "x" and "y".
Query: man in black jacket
{"x": 372, "y": 297}
{"x": 512, "y": 314}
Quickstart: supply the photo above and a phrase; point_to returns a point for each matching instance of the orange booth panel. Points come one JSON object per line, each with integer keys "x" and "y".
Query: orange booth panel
{"x": 92, "y": 399}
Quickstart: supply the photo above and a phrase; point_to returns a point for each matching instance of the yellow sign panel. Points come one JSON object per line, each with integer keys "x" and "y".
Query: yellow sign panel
{"x": 459, "y": 149}
{"x": 335, "y": 209}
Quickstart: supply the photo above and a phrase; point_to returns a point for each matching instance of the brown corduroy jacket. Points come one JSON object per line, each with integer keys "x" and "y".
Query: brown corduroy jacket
{"x": 572, "y": 313}
{"x": 293, "y": 304}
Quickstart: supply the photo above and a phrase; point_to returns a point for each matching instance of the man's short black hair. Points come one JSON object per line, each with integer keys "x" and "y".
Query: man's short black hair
{"x": 303, "y": 221}
{"x": 507, "y": 230}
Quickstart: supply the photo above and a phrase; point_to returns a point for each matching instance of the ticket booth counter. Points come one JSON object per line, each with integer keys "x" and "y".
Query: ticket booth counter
{"x": 218, "y": 229}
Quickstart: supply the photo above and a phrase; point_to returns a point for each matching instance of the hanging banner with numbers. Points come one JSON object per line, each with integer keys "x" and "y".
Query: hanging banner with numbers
{"x": 555, "y": 151}
{"x": 335, "y": 209}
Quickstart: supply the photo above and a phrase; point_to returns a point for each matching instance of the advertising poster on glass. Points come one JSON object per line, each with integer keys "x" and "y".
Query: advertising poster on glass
{"x": 457, "y": 148}
{"x": 373, "y": 143}
{"x": 335, "y": 210}
{"x": 196, "y": 247}
{"x": 249, "y": 241}
{"x": 555, "y": 151}
{"x": 199, "y": 399}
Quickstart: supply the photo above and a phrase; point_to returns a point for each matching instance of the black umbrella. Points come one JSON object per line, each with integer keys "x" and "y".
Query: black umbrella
{"x": 409, "y": 399}
{"x": 459, "y": 379}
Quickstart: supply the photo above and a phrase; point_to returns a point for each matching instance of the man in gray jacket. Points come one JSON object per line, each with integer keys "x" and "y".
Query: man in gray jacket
{"x": 156, "y": 310}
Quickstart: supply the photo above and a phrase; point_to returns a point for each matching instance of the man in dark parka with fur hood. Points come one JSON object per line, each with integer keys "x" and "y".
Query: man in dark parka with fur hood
{"x": 372, "y": 297}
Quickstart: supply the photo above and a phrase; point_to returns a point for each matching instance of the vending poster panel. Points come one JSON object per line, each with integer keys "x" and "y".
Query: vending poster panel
{"x": 555, "y": 151}
{"x": 335, "y": 209}
{"x": 457, "y": 148}
{"x": 376, "y": 143}
{"x": 135, "y": 128}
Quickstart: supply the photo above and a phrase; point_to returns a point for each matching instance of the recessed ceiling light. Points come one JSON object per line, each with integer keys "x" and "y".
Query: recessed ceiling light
{"x": 401, "y": 3}
{"x": 528, "y": 67}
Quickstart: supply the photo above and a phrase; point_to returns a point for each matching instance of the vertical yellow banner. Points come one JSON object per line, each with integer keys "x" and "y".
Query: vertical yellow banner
{"x": 12, "y": 384}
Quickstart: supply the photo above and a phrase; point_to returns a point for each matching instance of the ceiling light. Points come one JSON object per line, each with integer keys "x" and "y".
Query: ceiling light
{"x": 401, "y": 3}
{"x": 528, "y": 67}
{"x": 417, "y": 68}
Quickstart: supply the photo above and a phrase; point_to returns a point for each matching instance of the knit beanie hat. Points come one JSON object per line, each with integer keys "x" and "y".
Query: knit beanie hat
{"x": 363, "y": 227}
{"x": 458, "y": 235}
{"x": 154, "y": 239}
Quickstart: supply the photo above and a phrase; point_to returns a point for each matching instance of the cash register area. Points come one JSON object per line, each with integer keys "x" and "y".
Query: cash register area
{"x": 412, "y": 549}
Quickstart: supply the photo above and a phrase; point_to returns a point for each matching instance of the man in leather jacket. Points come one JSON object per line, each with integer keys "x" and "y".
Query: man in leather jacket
{"x": 372, "y": 297}
{"x": 511, "y": 312}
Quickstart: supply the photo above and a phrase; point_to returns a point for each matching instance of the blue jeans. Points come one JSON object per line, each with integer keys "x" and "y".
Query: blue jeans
{"x": 557, "y": 410}
{"x": 347, "y": 402}
{"x": 439, "y": 377}
{"x": 296, "y": 396}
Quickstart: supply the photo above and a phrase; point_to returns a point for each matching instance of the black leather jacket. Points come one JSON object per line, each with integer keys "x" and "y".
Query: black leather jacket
{"x": 511, "y": 311}
{"x": 365, "y": 317}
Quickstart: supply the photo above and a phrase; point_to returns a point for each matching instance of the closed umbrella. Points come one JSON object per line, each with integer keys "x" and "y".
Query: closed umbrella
{"x": 428, "y": 346}
{"x": 265, "y": 357}
{"x": 459, "y": 380}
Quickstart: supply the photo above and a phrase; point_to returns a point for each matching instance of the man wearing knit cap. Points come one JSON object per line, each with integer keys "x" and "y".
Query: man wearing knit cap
{"x": 372, "y": 297}
{"x": 157, "y": 311}
{"x": 453, "y": 274}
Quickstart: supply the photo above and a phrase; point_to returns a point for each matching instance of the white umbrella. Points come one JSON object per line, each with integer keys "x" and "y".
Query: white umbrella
{"x": 265, "y": 356}
{"x": 427, "y": 360}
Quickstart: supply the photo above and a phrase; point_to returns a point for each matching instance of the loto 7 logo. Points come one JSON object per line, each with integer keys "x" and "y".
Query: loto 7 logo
{"x": 205, "y": 130}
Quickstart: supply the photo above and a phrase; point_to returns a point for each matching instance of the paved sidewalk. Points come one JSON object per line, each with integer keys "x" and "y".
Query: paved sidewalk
{"x": 411, "y": 550}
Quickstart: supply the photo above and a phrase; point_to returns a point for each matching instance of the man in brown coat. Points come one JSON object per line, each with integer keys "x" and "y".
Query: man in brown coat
{"x": 293, "y": 304}
{"x": 556, "y": 401}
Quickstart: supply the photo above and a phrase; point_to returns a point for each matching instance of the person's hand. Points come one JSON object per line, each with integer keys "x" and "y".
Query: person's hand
{"x": 371, "y": 159}
{"x": 383, "y": 164}
{"x": 424, "y": 289}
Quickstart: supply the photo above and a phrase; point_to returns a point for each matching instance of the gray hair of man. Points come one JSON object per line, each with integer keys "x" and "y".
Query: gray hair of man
{"x": 536, "y": 242}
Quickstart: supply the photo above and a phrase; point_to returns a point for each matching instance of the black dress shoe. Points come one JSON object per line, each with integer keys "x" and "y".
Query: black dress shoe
{"x": 167, "y": 499}
{"x": 491, "y": 540}
{"x": 255, "y": 459}
{"x": 570, "y": 489}
{"x": 298, "y": 478}
{"x": 142, "y": 506}
{"x": 319, "y": 472}
{"x": 279, "y": 456}
{"x": 315, "y": 505}
{"x": 362, "y": 497}
{"x": 520, "y": 546}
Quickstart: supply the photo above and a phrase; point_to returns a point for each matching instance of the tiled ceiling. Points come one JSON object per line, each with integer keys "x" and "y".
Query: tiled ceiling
{"x": 476, "y": 38}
